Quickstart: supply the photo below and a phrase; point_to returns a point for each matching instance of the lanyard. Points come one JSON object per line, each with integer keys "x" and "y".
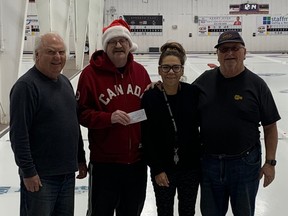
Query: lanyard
{"x": 170, "y": 111}
{"x": 176, "y": 147}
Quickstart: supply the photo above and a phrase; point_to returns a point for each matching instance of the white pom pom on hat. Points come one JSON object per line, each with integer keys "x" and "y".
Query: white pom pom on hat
{"x": 118, "y": 28}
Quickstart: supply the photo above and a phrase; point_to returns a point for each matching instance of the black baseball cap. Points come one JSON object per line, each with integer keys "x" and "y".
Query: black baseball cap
{"x": 230, "y": 37}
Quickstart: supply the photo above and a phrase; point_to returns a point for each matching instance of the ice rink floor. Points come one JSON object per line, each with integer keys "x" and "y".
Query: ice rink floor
{"x": 271, "y": 201}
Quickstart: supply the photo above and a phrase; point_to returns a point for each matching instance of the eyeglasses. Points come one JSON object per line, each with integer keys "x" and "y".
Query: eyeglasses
{"x": 115, "y": 42}
{"x": 167, "y": 68}
{"x": 226, "y": 49}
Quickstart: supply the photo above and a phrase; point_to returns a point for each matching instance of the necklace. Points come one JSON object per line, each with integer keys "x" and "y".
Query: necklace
{"x": 176, "y": 147}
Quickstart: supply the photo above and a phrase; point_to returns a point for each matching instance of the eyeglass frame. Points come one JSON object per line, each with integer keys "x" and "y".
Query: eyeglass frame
{"x": 227, "y": 49}
{"x": 122, "y": 41}
{"x": 171, "y": 67}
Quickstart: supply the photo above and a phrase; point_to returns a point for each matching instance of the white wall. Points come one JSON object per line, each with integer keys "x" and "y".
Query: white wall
{"x": 182, "y": 13}
{"x": 12, "y": 22}
{"x": 52, "y": 15}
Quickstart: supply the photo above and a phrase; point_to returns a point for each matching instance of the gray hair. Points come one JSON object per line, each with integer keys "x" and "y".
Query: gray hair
{"x": 40, "y": 40}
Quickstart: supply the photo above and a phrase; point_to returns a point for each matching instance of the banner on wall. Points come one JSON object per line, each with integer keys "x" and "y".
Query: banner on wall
{"x": 32, "y": 25}
{"x": 145, "y": 25}
{"x": 272, "y": 25}
{"x": 215, "y": 25}
{"x": 249, "y": 8}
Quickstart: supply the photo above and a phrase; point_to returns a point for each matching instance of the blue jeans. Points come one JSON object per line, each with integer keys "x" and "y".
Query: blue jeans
{"x": 55, "y": 197}
{"x": 231, "y": 178}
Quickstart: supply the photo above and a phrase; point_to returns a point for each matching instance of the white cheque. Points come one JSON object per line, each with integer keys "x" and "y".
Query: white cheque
{"x": 137, "y": 116}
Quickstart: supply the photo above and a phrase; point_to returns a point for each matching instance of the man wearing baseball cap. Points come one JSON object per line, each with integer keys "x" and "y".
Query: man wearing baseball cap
{"x": 233, "y": 103}
{"x": 110, "y": 88}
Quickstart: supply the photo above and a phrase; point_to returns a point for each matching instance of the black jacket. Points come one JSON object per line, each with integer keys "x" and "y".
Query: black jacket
{"x": 158, "y": 134}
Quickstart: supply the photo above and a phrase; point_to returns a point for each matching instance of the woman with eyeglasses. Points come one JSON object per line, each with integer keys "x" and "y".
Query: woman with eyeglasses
{"x": 170, "y": 135}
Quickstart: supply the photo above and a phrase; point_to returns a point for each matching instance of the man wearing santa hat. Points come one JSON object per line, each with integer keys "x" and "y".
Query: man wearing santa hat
{"x": 109, "y": 90}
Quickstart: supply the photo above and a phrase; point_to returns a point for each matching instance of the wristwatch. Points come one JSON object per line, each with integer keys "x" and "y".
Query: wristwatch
{"x": 271, "y": 162}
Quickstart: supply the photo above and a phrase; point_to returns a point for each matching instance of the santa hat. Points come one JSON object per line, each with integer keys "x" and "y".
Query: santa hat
{"x": 118, "y": 28}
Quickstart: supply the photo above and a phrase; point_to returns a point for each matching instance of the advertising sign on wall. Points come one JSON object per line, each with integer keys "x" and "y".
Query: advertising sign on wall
{"x": 145, "y": 25}
{"x": 215, "y": 25}
{"x": 32, "y": 25}
{"x": 272, "y": 25}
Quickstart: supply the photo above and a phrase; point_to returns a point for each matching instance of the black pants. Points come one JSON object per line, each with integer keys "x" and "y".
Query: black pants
{"x": 186, "y": 182}
{"x": 116, "y": 187}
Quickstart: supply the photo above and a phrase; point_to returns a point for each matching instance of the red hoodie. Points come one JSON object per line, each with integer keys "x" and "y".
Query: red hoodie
{"x": 102, "y": 89}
